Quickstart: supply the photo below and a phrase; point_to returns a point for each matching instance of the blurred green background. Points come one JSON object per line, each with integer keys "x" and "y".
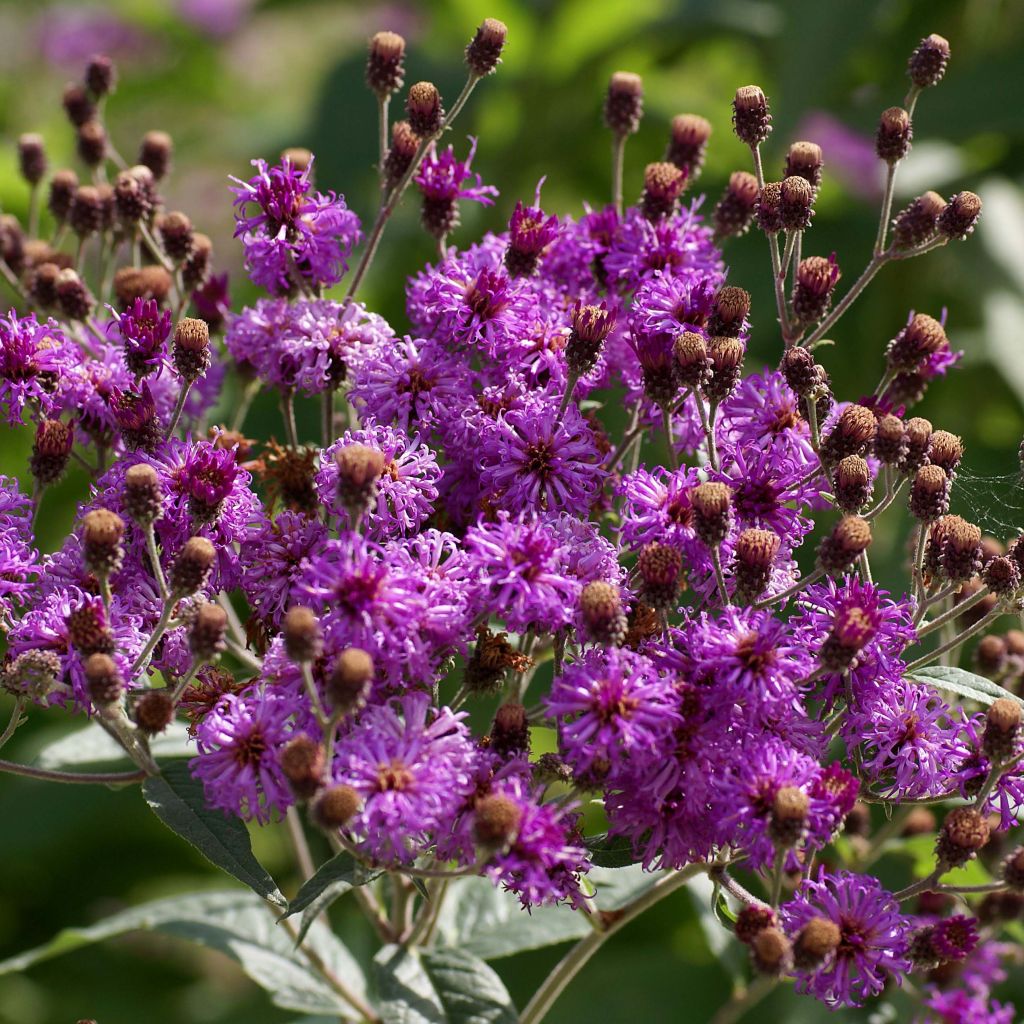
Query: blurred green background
{"x": 234, "y": 79}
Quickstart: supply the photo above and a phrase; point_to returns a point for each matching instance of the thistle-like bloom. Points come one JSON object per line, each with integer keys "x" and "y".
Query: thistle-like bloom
{"x": 873, "y": 936}
{"x": 144, "y": 330}
{"x": 538, "y": 460}
{"x": 530, "y": 232}
{"x": 610, "y": 704}
{"x": 673, "y": 303}
{"x": 208, "y": 478}
{"x": 443, "y": 180}
{"x": 18, "y": 559}
{"x": 412, "y": 766}
{"x": 36, "y": 361}
{"x": 289, "y": 229}
{"x": 240, "y": 743}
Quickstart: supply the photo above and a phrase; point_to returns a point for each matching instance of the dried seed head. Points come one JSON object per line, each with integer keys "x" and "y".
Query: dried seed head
{"x": 604, "y": 618}
{"x": 496, "y": 820}
{"x": 752, "y": 919}
{"x": 726, "y": 367}
{"x": 510, "y": 730}
{"x": 689, "y": 139}
{"x": 85, "y": 214}
{"x": 769, "y": 208}
{"x": 663, "y": 185}
{"x": 51, "y": 450}
{"x": 945, "y": 450}
{"x": 816, "y": 279}
{"x": 335, "y": 807}
{"x": 918, "y": 434}
{"x": 753, "y": 558}
{"x": 143, "y": 495}
{"x": 483, "y": 54}
{"x": 63, "y": 186}
{"x": 729, "y": 312}
{"x": 929, "y": 493}
{"x": 961, "y": 549}
{"x": 959, "y": 216}
{"x": 841, "y": 548}
{"x": 1001, "y": 575}
{"x": 624, "y": 103}
{"x": 734, "y": 212}
{"x": 423, "y": 109}
{"x": 385, "y": 64}
{"x": 75, "y": 300}
{"x": 804, "y": 160}
{"x": 303, "y": 640}
{"x": 892, "y": 140}
{"x": 77, "y": 104}
{"x": 176, "y": 233}
{"x": 712, "y": 512}
{"x": 33, "y": 673}
{"x": 853, "y": 484}
{"x": 100, "y": 75}
{"x": 921, "y": 338}
{"x": 92, "y": 143}
{"x": 359, "y": 470}
{"x": 771, "y": 952}
{"x": 207, "y": 632}
{"x": 815, "y": 943}
{"x": 155, "y": 152}
{"x": 928, "y": 62}
{"x": 890, "y": 440}
{"x": 796, "y": 203}
{"x": 192, "y": 567}
{"x": 349, "y": 682}
{"x": 751, "y": 118}
{"x": 32, "y": 157}
{"x": 991, "y": 655}
{"x": 659, "y": 566}
{"x": 153, "y": 711}
{"x": 191, "y": 352}
{"x": 918, "y": 222}
{"x": 103, "y": 680}
{"x": 964, "y": 832}
{"x": 131, "y": 283}
{"x": 1002, "y": 729}
{"x": 853, "y": 434}
{"x": 302, "y": 762}
{"x": 102, "y": 537}
{"x": 401, "y": 152}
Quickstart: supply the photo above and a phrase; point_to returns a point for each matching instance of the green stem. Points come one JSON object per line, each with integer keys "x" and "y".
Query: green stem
{"x": 819, "y": 332}
{"x": 618, "y": 160}
{"x": 154, "y": 558}
{"x": 178, "y": 407}
{"x": 52, "y": 775}
{"x": 16, "y": 720}
{"x": 883, "y": 220}
{"x": 154, "y": 638}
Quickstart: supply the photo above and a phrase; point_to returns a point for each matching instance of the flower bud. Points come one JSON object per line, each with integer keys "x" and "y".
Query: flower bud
{"x": 800, "y": 370}
{"x": 852, "y": 630}
{"x": 92, "y": 143}
{"x": 752, "y": 919}
{"x": 712, "y": 512}
{"x": 359, "y": 469}
{"x": 892, "y": 140}
{"x": 100, "y": 76}
{"x": 816, "y": 279}
{"x": 751, "y": 118}
{"x": 63, "y": 186}
{"x": 1013, "y": 870}
{"x": 961, "y": 550}
{"x": 303, "y": 640}
{"x": 1002, "y": 576}
{"x": 31, "y": 157}
{"x": 401, "y": 152}
{"x": 1002, "y": 729}
{"x": 753, "y": 558}
{"x": 85, "y": 213}
{"x": 191, "y": 352}
{"x": 928, "y": 62}
{"x": 42, "y": 284}
{"x": 206, "y": 637}
{"x": 88, "y": 629}
{"x": 945, "y": 450}
{"x": 103, "y": 680}
{"x": 929, "y": 494}
{"x": 423, "y": 109}
{"x": 734, "y": 212}
{"x": 815, "y": 943}
{"x": 693, "y": 365}
{"x": 77, "y": 104}
{"x": 75, "y": 300}
{"x": 132, "y": 196}
{"x": 788, "y": 816}
{"x": 769, "y": 208}
{"x": 999, "y": 907}
{"x": 604, "y": 619}
{"x": 726, "y": 367}
{"x": 153, "y": 711}
{"x": 917, "y": 435}
{"x": 510, "y": 730}
{"x": 624, "y": 103}
{"x": 659, "y": 566}
{"x": 918, "y": 222}
{"x": 771, "y": 952}
{"x": 348, "y": 684}
{"x": 964, "y": 832}
{"x": 302, "y": 762}
{"x": 843, "y": 546}
{"x": 921, "y": 338}
{"x": 663, "y": 185}
{"x": 729, "y": 312}
{"x": 143, "y": 496}
{"x": 192, "y": 568}
{"x": 335, "y": 807}
{"x": 853, "y": 434}
{"x": 51, "y": 451}
{"x": 991, "y": 656}
{"x": 796, "y": 203}
{"x": 483, "y": 54}
{"x": 102, "y": 547}
{"x": 853, "y": 483}
{"x": 33, "y": 673}
{"x": 804, "y": 160}
{"x": 155, "y": 152}
{"x": 591, "y": 325}
{"x": 689, "y": 139}
{"x": 496, "y": 820}
{"x": 385, "y": 64}
{"x": 195, "y": 272}
{"x": 131, "y": 283}
{"x": 959, "y": 216}
{"x": 176, "y": 233}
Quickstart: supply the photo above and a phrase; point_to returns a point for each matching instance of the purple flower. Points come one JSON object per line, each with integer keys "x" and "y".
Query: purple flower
{"x": 18, "y": 559}
{"x": 657, "y": 507}
{"x": 35, "y": 362}
{"x": 240, "y": 742}
{"x": 671, "y": 303}
{"x": 443, "y": 178}
{"x": 537, "y": 459}
{"x": 530, "y": 232}
{"x": 290, "y": 231}
{"x": 764, "y": 412}
{"x": 968, "y": 768}
{"x": 144, "y": 330}
{"x": 411, "y": 765}
{"x": 609, "y": 704}
{"x": 406, "y": 489}
{"x": 207, "y": 478}
{"x": 873, "y": 936}
{"x": 960, "y": 1007}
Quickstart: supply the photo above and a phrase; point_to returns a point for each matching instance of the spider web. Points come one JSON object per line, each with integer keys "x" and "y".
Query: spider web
{"x": 995, "y": 503}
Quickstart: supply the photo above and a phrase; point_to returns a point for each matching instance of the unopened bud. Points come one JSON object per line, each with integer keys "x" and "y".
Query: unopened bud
{"x": 192, "y": 567}
{"x": 918, "y": 222}
{"x": 31, "y": 157}
{"x": 302, "y": 762}
{"x": 385, "y": 64}
{"x": 155, "y": 152}
{"x": 769, "y": 208}
{"x": 959, "y": 216}
{"x": 423, "y": 109}
{"x": 207, "y": 633}
{"x": 771, "y": 952}
{"x": 303, "y": 640}
{"x": 191, "y": 352}
{"x": 663, "y": 185}
{"x": 51, "y": 450}
{"x": 510, "y": 730}
{"x": 77, "y": 104}
{"x": 729, "y": 312}
{"x": 689, "y": 139}
{"x": 712, "y": 512}
{"x": 624, "y": 103}
{"x": 796, "y": 203}
{"x": 853, "y": 434}
{"x": 153, "y": 711}
{"x": 483, "y": 54}
{"x": 100, "y": 76}
{"x": 75, "y": 300}
{"x": 918, "y": 434}
{"x": 359, "y": 470}
{"x": 176, "y": 233}
{"x": 816, "y": 278}
{"x": 853, "y": 484}
{"x": 726, "y": 367}
{"x": 929, "y": 494}
{"x": 1002, "y": 576}
{"x": 659, "y": 566}
{"x": 143, "y": 495}
{"x": 849, "y": 538}
{"x": 804, "y": 160}
{"x": 604, "y": 619}
{"x": 103, "y": 680}
{"x": 964, "y": 832}
{"x": 734, "y": 212}
{"x": 63, "y": 186}
{"x": 928, "y": 62}
{"x": 892, "y": 140}
{"x": 921, "y": 338}
{"x": 754, "y": 556}
{"x": 92, "y": 143}
{"x": 102, "y": 547}
{"x": 752, "y": 919}
{"x": 693, "y": 364}
{"x": 1002, "y": 729}
{"x": 591, "y": 325}
{"x": 496, "y": 820}
{"x": 751, "y": 118}
{"x": 401, "y": 153}
{"x": 335, "y": 807}
{"x": 349, "y": 682}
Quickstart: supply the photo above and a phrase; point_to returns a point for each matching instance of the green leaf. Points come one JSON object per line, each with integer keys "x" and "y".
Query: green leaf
{"x": 440, "y": 986}
{"x": 332, "y": 879}
{"x": 491, "y": 923}
{"x": 94, "y": 746}
{"x": 611, "y": 851}
{"x": 962, "y": 682}
{"x": 238, "y": 924}
{"x": 178, "y": 801}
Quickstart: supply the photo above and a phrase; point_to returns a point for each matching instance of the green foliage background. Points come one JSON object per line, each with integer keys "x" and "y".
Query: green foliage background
{"x": 291, "y": 74}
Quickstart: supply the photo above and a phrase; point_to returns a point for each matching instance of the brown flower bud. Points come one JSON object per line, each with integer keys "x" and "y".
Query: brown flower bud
{"x": 802, "y": 373}
{"x": 131, "y": 283}
{"x": 207, "y": 632}
{"x": 153, "y": 711}
{"x": 815, "y": 943}
{"x": 769, "y": 208}
{"x": 132, "y": 200}
{"x": 196, "y": 270}
{"x": 659, "y": 566}
{"x": 929, "y": 493}
{"x": 359, "y": 469}
{"x": 51, "y": 450}
{"x": 88, "y": 630}
{"x": 853, "y": 434}
{"x": 31, "y": 157}
{"x": 100, "y": 75}
{"x": 663, "y": 185}
{"x": 92, "y": 143}
{"x": 385, "y": 64}
{"x": 959, "y": 216}
{"x": 75, "y": 300}
{"x": 771, "y": 952}
{"x": 155, "y": 152}
{"x": 63, "y": 186}
{"x": 964, "y": 832}
{"x": 796, "y": 203}
{"x": 726, "y": 367}
{"x": 816, "y": 279}
{"x": 77, "y": 104}
{"x": 423, "y": 109}
{"x": 103, "y": 680}
{"x": 961, "y": 550}
{"x": 604, "y": 618}
{"x": 918, "y": 434}
{"x": 916, "y": 223}
{"x": 191, "y": 352}
{"x": 730, "y": 311}
{"x": 753, "y": 558}
{"x": 751, "y": 118}
{"x": 712, "y": 512}
{"x": 335, "y": 807}
{"x": 928, "y": 62}
{"x": 853, "y": 483}
{"x": 789, "y": 816}
{"x": 86, "y": 214}
{"x": 510, "y": 730}
{"x": 991, "y": 655}
{"x": 348, "y": 684}
{"x": 1013, "y": 870}
{"x": 945, "y": 450}
{"x": 176, "y": 233}
{"x": 919, "y": 822}
{"x": 143, "y": 495}
{"x": 401, "y": 152}
{"x": 892, "y": 140}
{"x": 483, "y": 54}
{"x": 752, "y": 919}
{"x": 693, "y": 364}
{"x": 804, "y": 160}
{"x": 689, "y": 139}
{"x": 192, "y": 567}
{"x": 734, "y": 212}
{"x": 302, "y": 762}
{"x": 624, "y": 103}
{"x": 102, "y": 536}
{"x": 840, "y": 549}
{"x": 496, "y": 820}
{"x": 1002, "y": 729}
{"x": 1001, "y": 575}
{"x": 921, "y": 338}
{"x": 303, "y": 640}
